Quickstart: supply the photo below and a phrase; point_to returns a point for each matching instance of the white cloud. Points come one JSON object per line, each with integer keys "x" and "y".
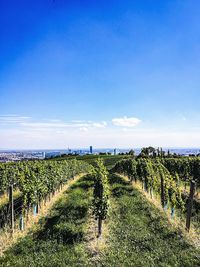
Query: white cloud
{"x": 51, "y": 124}
{"x": 83, "y": 124}
{"x": 99, "y": 125}
{"x": 126, "y": 122}
{"x": 125, "y": 130}
{"x": 13, "y": 118}
{"x": 24, "y": 132}
{"x": 84, "y": 129}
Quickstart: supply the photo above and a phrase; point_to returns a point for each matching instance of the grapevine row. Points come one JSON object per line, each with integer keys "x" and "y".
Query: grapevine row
{"x": 155, "y": 178}
{"x": 38, "y": 179}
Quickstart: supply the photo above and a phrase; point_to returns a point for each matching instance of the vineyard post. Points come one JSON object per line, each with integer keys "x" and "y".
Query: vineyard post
{"x": 11, "y": 204}
{"x": 190, "y": 204}
{"x": 162, "y": 191}
{"x": 37, "y": 207}
{"x": 99, "y": 226}
{"x": 151, "y": 192}
{"x": 21, "y": 222}
{"x": 34, "y": 209}
{"x": 145, "y": 185}
{"x": 172, "y": 212}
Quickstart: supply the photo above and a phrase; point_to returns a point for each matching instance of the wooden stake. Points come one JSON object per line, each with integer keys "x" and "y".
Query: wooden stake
{"x": 99, "y": 226}
{"x": 190, "y": 205}
{"x": 162, "y": 192}
{"x": 11, "y": 203}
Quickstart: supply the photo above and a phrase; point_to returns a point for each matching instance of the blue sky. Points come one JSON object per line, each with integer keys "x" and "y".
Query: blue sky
{"x": 108, "y": 73}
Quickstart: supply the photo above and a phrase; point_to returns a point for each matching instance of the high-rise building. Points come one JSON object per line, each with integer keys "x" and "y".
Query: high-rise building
{"x": 115, "y": 151}
{"x": 90, "y": 149}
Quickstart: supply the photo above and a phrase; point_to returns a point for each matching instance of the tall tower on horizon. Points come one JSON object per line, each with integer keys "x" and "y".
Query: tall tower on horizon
{"x": 90, "y": 149}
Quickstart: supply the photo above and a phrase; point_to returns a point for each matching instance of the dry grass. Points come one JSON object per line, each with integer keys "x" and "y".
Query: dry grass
{"x": 5, "y": 198}
{"x": 7, "y": 239}
{"x": 187, "y": 191}
{"x": 96, "y": 245}
{"x": 192, "y": 237}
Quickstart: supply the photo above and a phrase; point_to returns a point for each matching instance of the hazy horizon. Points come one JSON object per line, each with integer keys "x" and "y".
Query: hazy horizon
{"x": 97, "y": 148}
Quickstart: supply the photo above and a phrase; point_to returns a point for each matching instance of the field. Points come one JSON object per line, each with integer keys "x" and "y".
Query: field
{"x": 57, "y": 239}
{"x": 139, "y": 233}
{"x": 109, "y": 160}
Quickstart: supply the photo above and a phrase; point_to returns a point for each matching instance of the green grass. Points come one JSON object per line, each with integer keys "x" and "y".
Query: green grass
{"x": 60, "y": 240}
{"x": 141, "y": 236}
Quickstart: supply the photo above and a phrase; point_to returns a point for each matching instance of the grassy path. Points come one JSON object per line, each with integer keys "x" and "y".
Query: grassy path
{"x": 5, "y": 239}
{"x": 141, "y": 236}
{"x": 59, "y": 239}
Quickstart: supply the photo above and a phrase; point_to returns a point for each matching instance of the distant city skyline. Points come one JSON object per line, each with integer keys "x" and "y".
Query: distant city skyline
{"x": 107, "y": 74}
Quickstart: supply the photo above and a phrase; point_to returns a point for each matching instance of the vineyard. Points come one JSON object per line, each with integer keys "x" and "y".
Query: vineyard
{"x": 108, "y": 217}
{"x": 34, "y": 182}
{"x": 175, "y": 181}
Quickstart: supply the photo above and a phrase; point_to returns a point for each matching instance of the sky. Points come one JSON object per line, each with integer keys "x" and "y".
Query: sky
{"x": 103, "y": 73}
